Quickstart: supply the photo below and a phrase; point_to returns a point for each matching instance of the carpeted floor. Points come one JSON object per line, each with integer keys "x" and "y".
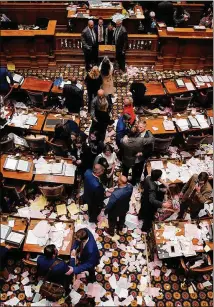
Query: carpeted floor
{"x": 174, "y": 291}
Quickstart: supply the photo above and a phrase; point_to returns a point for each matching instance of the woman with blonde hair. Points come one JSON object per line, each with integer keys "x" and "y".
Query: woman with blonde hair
{"x": 93, "y": 82}
{"x": 106, "y": 71}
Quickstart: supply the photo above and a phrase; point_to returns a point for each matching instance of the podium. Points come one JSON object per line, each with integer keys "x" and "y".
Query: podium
{"x": 107, "y": 50}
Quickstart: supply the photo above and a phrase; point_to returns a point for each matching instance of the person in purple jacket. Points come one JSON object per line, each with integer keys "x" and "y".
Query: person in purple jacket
{"x": 86, "y": 253}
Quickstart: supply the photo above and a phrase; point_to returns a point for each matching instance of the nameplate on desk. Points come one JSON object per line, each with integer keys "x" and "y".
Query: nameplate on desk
{"x": 17, "y": 165}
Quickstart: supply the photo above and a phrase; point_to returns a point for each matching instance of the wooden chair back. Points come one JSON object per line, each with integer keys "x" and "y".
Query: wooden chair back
{"x": 52, "y": 192}
{"x": 180, "y": 104}
{"x": 162, "y": 145}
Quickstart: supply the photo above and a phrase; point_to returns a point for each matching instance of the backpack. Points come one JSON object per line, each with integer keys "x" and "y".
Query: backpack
{"x": 50, "y": 290}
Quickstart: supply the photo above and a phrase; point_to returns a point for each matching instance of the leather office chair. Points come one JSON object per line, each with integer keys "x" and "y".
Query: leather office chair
{"x": 161, "y": 146}
{"x": 208, "y": 139}
{"x": 37, "y": 98}
{"x": 198, "y": 270}
{"x": 57, "y": 149}
{"x": 15, "y": 189}
{"x": 180, "y": 104}
{"x": 36, "y": 144}
{"x": 193, "y": 141}
{"x": 52, "y": 192}
{"x": 205, "y": 99}
{"x": 7, "y": 146}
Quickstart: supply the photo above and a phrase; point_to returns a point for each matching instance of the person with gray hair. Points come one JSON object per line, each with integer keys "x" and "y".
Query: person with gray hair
{"x": 89, "y": 45}
{"x": 121, "y": 44}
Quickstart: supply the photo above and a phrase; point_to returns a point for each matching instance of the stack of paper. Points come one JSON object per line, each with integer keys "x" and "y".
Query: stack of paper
{"x": 182, "y": 123}
{"x": 168, "y": 125}
{"x": 202, "y": 121}
{"x": 157, "y": 165}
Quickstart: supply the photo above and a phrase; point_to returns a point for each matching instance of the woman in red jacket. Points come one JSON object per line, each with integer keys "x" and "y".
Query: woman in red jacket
{"x": 128, "y": 109}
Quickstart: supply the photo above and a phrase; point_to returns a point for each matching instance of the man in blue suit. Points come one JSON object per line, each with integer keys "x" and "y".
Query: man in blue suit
{"x": 57, "y": 273}
{"x": 4, "y": 85}
{"x": 93, "y": 191}
{"x": 123, "y": 127}
{"x": 118, "y": 205}
{"x": 86, "y": 251}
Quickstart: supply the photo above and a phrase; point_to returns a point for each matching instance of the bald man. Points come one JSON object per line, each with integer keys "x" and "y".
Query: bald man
{"x": 121, "y": 44}
{"x": 89, "y": 45}
{"x": 93, "y": 191}
{"x": 118, "y": 205}
{"x": 100, "y": 113}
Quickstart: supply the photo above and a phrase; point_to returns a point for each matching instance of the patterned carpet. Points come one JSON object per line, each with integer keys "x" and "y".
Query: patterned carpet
{"x": 174, "y": 291}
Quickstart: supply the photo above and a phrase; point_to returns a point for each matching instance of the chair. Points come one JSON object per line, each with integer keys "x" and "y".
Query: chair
{"x": 57, "y": 149}
{"x": 206, "y": 99}
{"x": 27, "y": 261}
{"x": 36, "y": 98}
{"x": 52, "y": 192}
{"x": 180, "y": 104}
{"x": 193, "y": 141}
{"x": 199, "y": 270}
{"x": 7, "y": 95}
{"x": 36, "y": 144}
{"x": 7, "y": 146}
{"x": 208, "y": 139}
{"x": 162, "y": 145}
{"x": 14, "y": 189}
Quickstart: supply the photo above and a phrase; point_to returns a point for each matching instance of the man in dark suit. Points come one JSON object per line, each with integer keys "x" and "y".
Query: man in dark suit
{"x": 87, "y": 254}
{"x": 89, "y": 45}
{"x": 93, "y": 191}
{"x": 118, "y": 205}
{"x": 100, "y": 31}
{"x": 121, "y": 43}
{"x": 5, "y": 77}
{"x": 150, "y": 200}
{"x": 57, "y": 273}
{"x": 73, "y": 96}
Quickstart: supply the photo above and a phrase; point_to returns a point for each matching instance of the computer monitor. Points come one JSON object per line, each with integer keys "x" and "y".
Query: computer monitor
{"x": 9, "y": 25}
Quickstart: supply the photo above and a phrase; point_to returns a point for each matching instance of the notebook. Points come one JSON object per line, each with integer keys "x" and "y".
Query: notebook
{"x": 31, "y": 120}
{"x": 180, "y": 83}
{"x": 18, "y": 78}
{"x": 15, "y": 238}
{"x": 4, "y": 231}
{"x": 17, "y": 165}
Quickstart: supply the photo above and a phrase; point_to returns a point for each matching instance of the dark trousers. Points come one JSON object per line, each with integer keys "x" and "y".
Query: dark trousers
{"x": 121, "y": 59}
{"x": 91, "y": 58}
{"x": 112, "y": 221}
{"x": 93, "y": 212}
{"x": 91, "y": 278}
{"x": 100, "y": 127}
{"x": 148, "y": 217}
{"x": 194, "y": 209}
{"x": 137, "y": 172}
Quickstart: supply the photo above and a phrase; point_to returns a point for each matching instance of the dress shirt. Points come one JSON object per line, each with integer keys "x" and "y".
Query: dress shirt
{"x": 116, "y": 33}
{"x": 93, "y": 35}
{"x": 100, "y": 34}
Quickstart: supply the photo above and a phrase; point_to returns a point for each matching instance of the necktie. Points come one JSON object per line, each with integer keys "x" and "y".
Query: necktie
{"x": 100, "y": 33}
{"x": 117, "y": 34}
{"x": 93, "y": 37}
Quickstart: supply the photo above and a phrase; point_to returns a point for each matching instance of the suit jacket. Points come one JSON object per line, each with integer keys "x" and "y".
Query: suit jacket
{"x": 122, "y": 41}
{"x": 121, "y": 130}
{"x": 96, "y": 31}
{"x": 118, "y": 204}
{"x": 131, "y": 147}
{"x": 86, "y": 39}
{"x": 150, "y": 202}
{"x": 73, "y": 98}
{"x": 4, "y": 85}
{"x": 57, "y": 274}
{"x": 196, "y": 198}
{"x": 89, "y": 257}
{"x": 93, "y": 190}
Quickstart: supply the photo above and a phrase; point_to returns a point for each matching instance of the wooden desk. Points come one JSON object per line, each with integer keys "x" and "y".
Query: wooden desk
{"x": 105, "y": 12}
{"x": 20, "y": 224}
{"x": 185, "y": 116}
{"x": 157, "y": 122}
{"x": 158, "y": 230}
{"x": 34, "y": 84}
{"x": 35, "y": 248}
{"x": 201, "y": 87}
{"x": 154, "y": 89}
{"x": 172, "y": 89}
{"x": 55, "y": 178}
{"x": 35, "y": 128}
{"x": 50, "y": 129}
{"x": 107, "y": 50}
{"x": 210, "y": 112}
{"x": 17, "y": 174}
{"x": 56, "y": 90}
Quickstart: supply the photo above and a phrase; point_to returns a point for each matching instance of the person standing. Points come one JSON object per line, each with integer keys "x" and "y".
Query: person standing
{"x": 100, "y": 113}
{"x": 73, "y": 94}
{"x": 5, "y": 77}
{"x": 93, "y": 191}
{"x": 109, "y": 33}
{"x": 106, "y": 70}
{"x": 118, "y": 205}
{"x": 150, "y": 200}
{"x": 93, "y": 82}
{"x": 89, "y": 45}
{"x": 86, "y": 251}
{"x": 121, "y": 44}
{"x": 100, "y": 32}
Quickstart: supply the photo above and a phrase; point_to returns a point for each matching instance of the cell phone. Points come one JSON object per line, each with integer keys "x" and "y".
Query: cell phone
{"x": 172, "y": 249}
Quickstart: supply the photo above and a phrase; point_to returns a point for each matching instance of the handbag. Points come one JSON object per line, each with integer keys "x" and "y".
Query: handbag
{"x": 50, "y": 290}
